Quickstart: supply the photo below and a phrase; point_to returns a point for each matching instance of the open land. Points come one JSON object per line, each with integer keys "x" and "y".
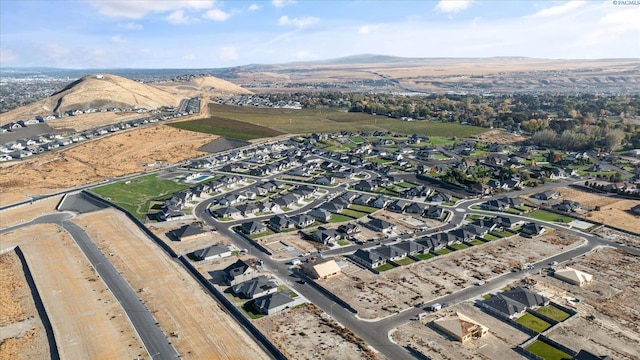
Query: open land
{"x": 96, "y": 160}
{"x": 205, "y": 330}
{"x": 160, "y": 229}
{"x": 391, "y": 291}
{"x": 612, "y": 298}
{"x": 613, "y": 211}
{"x": 87, "y": 320}
{"x": 305, "y": 332}
{"x": 22, "y": 335}
{"x": 26, "y": 213}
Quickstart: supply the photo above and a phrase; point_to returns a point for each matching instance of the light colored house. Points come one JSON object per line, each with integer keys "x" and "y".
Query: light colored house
{"x": 460, "y": 327}
{"x": 217, "y": 251}
{"x": 573, "y": 276}
{"x": 323, "y": 270}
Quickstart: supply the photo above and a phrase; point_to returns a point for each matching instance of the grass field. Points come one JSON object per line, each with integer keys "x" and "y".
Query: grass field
{"x": 490, "y": 237}
{"x": 335, "y": 218}
{"x": 534, "y": 323}
{"x": 385, "y": 267}
{"x": 362, "y": 208}
{"x": 444, "y": 251}
{"x": 553, "y": 312}
{"x": 426, "y": 256}
{"x": 476, "y": 242}
{"x": 459, "y": 246}
{"x": 227, "y": 127}
{"x": 329, "y": 120}
{"x": 354, "y": 214}
{"x": 547, "y": 351}
{"x": 135, "y": 195}
{"x": 549, "y": 216}
{"x": 405, "y": 261}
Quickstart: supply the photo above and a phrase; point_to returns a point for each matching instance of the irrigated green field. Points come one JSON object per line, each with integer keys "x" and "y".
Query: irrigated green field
{"x": 250, "y": 123}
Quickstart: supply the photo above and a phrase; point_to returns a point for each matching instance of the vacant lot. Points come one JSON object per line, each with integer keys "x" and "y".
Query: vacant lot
{"x": 306, "y": 332}
{"x": 116, "y": 155}
{"x": 87, "y": 320}
{"x": 497, "y": 344}
{"x": 26, "y": 213}
{"x": 619, "y": 236}
{"x": 175, "y": 298}
{"x": 613, "y": 211}
{"x": 612, "y": 298}
{"x": 394, "y": 290}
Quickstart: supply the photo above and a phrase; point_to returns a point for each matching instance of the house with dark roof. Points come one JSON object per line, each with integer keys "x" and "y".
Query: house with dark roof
{"x": 391, "y": 252}
{"x": 507, "y": 222}
{"x": 256, "y": 287}
{"x": 365, "y": 185}
{"x": 415, "y": 208}
{"x": 326, "y": 236}
{"x": 434, "y": 212}
{"x": 586, "y": 355}
{"x": 189, "y": 232}
{"x": 380, "y": 225}
{"x": 226, "y": 212}
{"x": 334, "y": 206}
{"x": 274, "y": 303}
{"x": 526, "y": 297}
{"x": 364, "y": 199}
{"x": 545, "y": 195}
{"x": 238, "y": 272}
{"x": 303, "y": 220}
{"x": 412, "y": 247}
{"x": 253, "y": 227}
{"x": 217, "y": 251}
{"x": 320, "y": 214}
{"x": 380, "y": 202}
{"x": 397, "y": 206}
{"x": 567, "y": 206}
{"x": 349, "y": 229}
{"x": 268, "y": 206}
{"x": 247, "y": 209}
{"x": 503, "y": 306}
{"x": 532, "y": 229}
{"x": 281, "y": 223}
{"x": 368, "y": 259}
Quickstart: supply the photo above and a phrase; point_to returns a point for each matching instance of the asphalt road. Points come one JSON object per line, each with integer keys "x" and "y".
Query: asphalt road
{"x": 153, "y": 339}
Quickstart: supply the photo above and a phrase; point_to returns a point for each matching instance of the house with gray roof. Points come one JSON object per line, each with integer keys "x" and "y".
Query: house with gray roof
{"x": 281, "y": 223}
{"x": 274, "y": 303}
{"x": 256, "y": 287}
{"x": 380, "y": 225}
{"x": 253, "y": 227}
{"x": 320, "y": 214}
{"x": 238, "y": 272}
{"x": 369, "y": 259}
{"x": 217, "y": 251}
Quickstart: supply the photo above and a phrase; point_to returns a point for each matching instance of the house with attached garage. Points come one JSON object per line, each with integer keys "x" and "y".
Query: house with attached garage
{"x": 303, "y": 220}
{"x": 532, "y": 230}
{"x": 380, "y": 225}
{"x": 227, "y": 212}
{"x": 507, "y": 222}
{"x": 325, "y": 237}
{"x": 253, "y": 227}
{"x": 276, "y": 302}
{"x": 217, "y": 251}
{"x": 397, "y": 206}
{"x": 415, "y": 208}
{"x": 412, "y": 247}
{"x": 238, "y": 272}
{"x": 281, "y": 223}
{"x": 364, "y": 199}
{"x": 391, "y": 252}
{"x": 320, "y": 214}
{"x": 322, "y": 269}
{"x": 368, "y": 259}
{"x": 349, "y": 229}
{"x": 268, "y": 206}
{"x": 365, "y": 185}
{"x": 256, "y": 287}
{"x": 434, "y": 212}
{"x": 189, "y": 232}
{"x": 545, "y": 195}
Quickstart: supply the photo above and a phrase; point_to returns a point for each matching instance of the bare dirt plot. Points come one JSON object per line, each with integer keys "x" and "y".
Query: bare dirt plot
{"x": 306, "y": 332}
{"x": 613, "y": 210}
{"x": 87, "y": 320}
{"x": 618, "y": 236}
{"x": 277, "y": 243}
{"x": 612, "y": 297}
{"x": 22, "y": 335}
{"x": 175, "y": 298}
{"x": 394, "y": 290}
{"x": 500, "y": 137}
{"x": 116, "y": 155}
{"x": 26, "y": 213}
{"x": 497, "y": 344}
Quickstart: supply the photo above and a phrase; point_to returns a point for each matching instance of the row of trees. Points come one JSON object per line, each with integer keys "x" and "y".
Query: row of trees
{"x": 580, "y": 138}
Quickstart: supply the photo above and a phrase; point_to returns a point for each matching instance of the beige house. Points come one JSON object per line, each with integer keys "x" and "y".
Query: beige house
{"x": 460, "y": 327}
{"x": 323, "y": 270}
{"x": 573, "y": 276}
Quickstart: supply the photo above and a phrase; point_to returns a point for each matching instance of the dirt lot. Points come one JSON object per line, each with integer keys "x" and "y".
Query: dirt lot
{"x": 205, "y": 330}
{"x": 87, "y": 320}
{"x": 116, "y": 155}
{"x": 390, "y": 291}
{"x": 613, "y": 211}
{"x": 306, "y": 332}
{"x": 613, "y": 297}
{"x": 496, "y": 344}
{"x": 500, "y": 137}
{"x": 22, "y": 335}
{"x": 26, "y": 213}
{"x": 618, "y": 236}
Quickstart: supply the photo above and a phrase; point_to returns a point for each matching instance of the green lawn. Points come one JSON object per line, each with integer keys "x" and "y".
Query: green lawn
{"x": 549, "y": 216}
{"x": 501, "y": 233}
{"x": 262, "y": 234}
{"x": 459, "y": 246}
{"x": 547, "y": 351}
{"x": 251, "y": 311}
{"x": 343, "y": 242}
{"x": 354, "y": 214}
{"x": 426, "y": 256}
{"x": 553, "y": 312}
{"x": 533, "y": 322}
{"x": 385, "y": 267}
{"x": 135, "y": 195}
{"x": 362, "y": 208}
{"x": 444, "y": 251}
{"x": 336, "y": 218}
{"x": 227, "y": 127}
{"x": 477, "y": 242}
{"x": 490, "y": 237}
{"x": 438, "y": 141}
{"x": 405, "y": 261}
{"x": 357, "y": 140}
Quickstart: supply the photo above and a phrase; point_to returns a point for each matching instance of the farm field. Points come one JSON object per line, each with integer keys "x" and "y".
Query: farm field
{"x": 87, "y": 320}
{"x": 206, "y": 331}
{"x": 227, "y": 127}
{"x": 115, "y": 155}
{"x": 402, "y": 287}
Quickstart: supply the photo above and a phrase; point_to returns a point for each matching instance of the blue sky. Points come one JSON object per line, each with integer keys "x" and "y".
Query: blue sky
{"x": 210, "y": 34}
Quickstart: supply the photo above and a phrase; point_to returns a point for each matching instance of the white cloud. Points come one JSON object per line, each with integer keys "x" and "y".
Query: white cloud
{"x": 304, "y": 54}
{"x": 366, "y": 29}
{"x": 130, "y": 26}
{"x": 255, "y": 7}
{"x": 190, "y": 56}
{"x": 137, "y": 9}
{"x": 118, "y": 39}
{"x": 227, "y": 53}
{"x": 453, "y": 6}
{"x": 298, "y": 22}
{"x": 217, "y": 15}
{"x": 282, "y": 3}
{"x": 559, "y": 10}
{"x": 7, "y": 56}
{"x": 178, "y": 17}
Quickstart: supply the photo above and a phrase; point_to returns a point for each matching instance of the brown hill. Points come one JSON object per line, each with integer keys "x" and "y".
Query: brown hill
{"x": 204, "y": 84}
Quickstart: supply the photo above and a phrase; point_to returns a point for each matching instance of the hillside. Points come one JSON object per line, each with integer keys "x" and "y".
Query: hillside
{"x": 204, "y": 84}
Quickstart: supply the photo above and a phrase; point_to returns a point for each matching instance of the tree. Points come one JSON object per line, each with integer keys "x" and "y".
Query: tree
{"x": 612, "y": 138}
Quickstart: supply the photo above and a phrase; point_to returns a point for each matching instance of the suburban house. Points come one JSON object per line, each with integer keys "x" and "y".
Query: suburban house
{"x": 380, "y": 202}
{"x": 320, "y": 214}
{"x": 507, "y": 222}
{"x": 349, "y": 229}
{"x": 253, "y": 227}
{"x": 635, "y": 210}
{"x": 303, "y": 220}
{"x": 322, "y": 270}
{"x": 586, "y": 355}
{"x": 412, "y": 247}
{"x": 281, "y": 223}
{"x": 380, "y": 225}
{"x": 567, "y": 206}
{"x": 238, "y": 272}
{"x": 227, "y": 212}
{"x": 398, "y": 206}
{"x": 256, "y": 287}
{"x": 391, "y": 252}
{"x": 365, "y": 185}
{"x": 532, "y": 230}
{"x": 545, "y": 195}
{"x": 364, "y": 199}
{"x": 460, "y": 327}
{"x": 368, "y": 259}
{"x": 434, "y": 212}
{"x": 573, "y": 276}
{"x": 217, "y": 251}
{"x": 415, "y": 208}
{"x": 326, "y": 236}
{"x": 247, "y": 209}
{"x": 274, "y": 303}
{"x": 514, "y": 302}
{"x": 189, "y": 232}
